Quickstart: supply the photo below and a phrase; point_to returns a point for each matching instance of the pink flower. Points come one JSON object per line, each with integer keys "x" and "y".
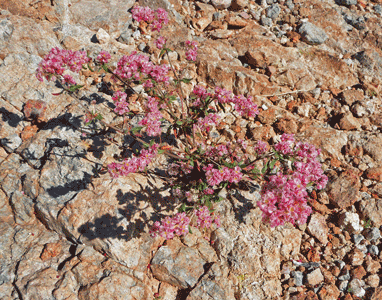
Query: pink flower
{"x": 245, "y": 106}
{"x": 160, "y": 42}
{"x": 169, "y": 227}
{"x": 120, "y": 102}
{"x": 103, "y": 57}
{"x": 192, "y": 50}
{"x": 152, "y": 118}
{"x": 133, "y": 164}
{"x": 156, "y": 19}
{"x": 58, "y": 60}
{"x": 261, "y": 147}
{"x": 68, "y": 79}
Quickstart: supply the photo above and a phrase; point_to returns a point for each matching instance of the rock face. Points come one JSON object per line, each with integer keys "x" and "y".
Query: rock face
{"x": 312, "y": 34}
{"x": 70, "y": 231}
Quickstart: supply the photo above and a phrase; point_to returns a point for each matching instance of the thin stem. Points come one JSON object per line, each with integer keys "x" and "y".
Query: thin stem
{"x": 111, "y": 126}
{"x": 182, "y": 99}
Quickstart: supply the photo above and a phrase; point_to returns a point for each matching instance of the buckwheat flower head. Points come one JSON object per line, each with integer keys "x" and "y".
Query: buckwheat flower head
{"x": 121, "y": 105}
{"x": 261, "y": 147}
{"x": 68, "y": 79}
{"x": 58, "y": 60}
{"x": 192, "y": 50}
{"x": 103, "y": 57}
{"x": 160, "y": 42}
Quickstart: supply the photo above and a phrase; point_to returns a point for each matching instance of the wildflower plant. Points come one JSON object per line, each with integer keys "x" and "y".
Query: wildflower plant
{"x": 198, "y": 171}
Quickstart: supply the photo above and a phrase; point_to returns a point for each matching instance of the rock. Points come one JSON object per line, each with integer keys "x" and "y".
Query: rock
{"x": 356, "y": 285}
{"x": 312, "y": 34}
{"x": 357, "y": 238}
{"x": 6, "y": 30}
{"x": 298, "y": 278}
{"x": 221, "y": 4}
{"x": 222, "y": 242}
{"x": 265, "y": 21}
{"x": 372, "y": 209}
{"x": 377, "y": 294}
{"x": 373, "y": 234}
{"x": 373, "y": 280}
{"x": 273, "y": 11}
{"x": 372, "y": 266}
{"x": 102, "y": 36}
{"x": 356, "y": 257}
{"x": 344, "y": 191}
{"x": 315, "y": 277}
{"x": 178, "y": 265}
{"x": 12, "y": 142}
{"x": 318, "y": 228}
{"x": 287, "y": 126}
{"x": 213, "y": 285}
{"x": 373, "y": 146}
{"x": 373, "y": 250}
{"x": 350, "y": 222}
{"x": 348, "y": 122}
{"x": 358, "y": 272}
{"x": 239, "y": 4}
{"x": 351, "y": 96}
{"x": 329, "y": 291}
{"x": 346, "y": 2}
{"x": 374, "y": 173}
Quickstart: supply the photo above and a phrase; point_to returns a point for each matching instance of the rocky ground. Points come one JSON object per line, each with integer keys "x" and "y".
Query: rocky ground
{"x": 315, "y": 70}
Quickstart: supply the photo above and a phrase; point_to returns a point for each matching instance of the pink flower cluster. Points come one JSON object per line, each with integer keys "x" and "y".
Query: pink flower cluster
{"x": 121, "y": 105}
{"x": 243, "y": 105}
{"x": 285, "y": 146}
{"x": 261, "y": 147}
{"x": 138, "y": 67}
{"x": 223, "y": 95}
{"x": 152, "y": 118}
{"x": 156, "y": 18}
{"x": 203, "y": 124}
{"x": 160, "y": 42}
{"x": 169, "y": 227}
{"x": 103, "y": 57}
{"x": 59, "y": 60}
{"x": 216, "y": 176}
{"x": 284, "y": 199}
{"x": 205, "y": 218}
{"x": 133, "y": 164}
{"x": 192, "y": 50}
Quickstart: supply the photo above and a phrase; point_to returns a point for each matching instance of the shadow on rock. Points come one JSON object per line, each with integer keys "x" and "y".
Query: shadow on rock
{"x": 12, "y": 119}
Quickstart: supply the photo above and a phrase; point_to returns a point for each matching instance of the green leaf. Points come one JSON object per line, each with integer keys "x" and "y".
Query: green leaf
{"x": 272, "y": 164}
{"x": 75, "y": 87}
{"x": 105, "y": 68}
{"x": 186, "y": 80}
{"x": 208, "y": 204}
{"x": 160, "y": 151}
{"x": 182, "y": 208}
{"x": 264, "y": 169}
{"x": 98, "y": 117}
{"x": 163, "y": 51}
{"x": 136, "y": 129}
{"x": 90, "y": 68}
{"x": 191, "y": 163}
{"x": 179, "y": 122}
{"x": 189, "y": 229}
{"x": 220, "y": 198}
